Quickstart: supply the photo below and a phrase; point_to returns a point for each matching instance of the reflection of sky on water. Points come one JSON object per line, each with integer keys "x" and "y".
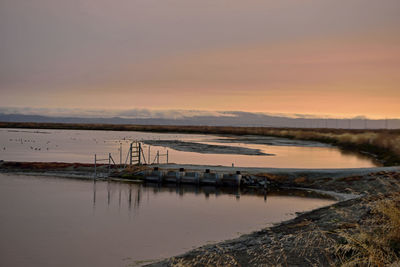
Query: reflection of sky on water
{"x": 65, "y": 222}
{"x": 80, "y": 146}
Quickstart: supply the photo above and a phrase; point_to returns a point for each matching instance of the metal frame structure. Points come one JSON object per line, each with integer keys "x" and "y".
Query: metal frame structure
{"x": 96, "y": 160}
{"x": 135, "y": 156}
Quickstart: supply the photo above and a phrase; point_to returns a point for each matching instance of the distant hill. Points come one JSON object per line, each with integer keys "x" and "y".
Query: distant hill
{"x": 245, "y": 119}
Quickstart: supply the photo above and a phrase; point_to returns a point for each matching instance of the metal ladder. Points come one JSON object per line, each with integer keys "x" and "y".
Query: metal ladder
{"x": 135, "y": 151}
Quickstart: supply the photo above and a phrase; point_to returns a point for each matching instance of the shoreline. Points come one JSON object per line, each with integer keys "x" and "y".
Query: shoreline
{"x": 367, "y": 142}
{"x": 292, "y": 177}
{"x": 305, "y": 240}
{"x": 310, "y": 238}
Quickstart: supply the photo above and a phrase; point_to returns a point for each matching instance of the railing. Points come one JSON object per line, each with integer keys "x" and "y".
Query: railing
{"x": 109, "y": 159}
{"x": 157, "y": 157}
{"x": 135, "y": 156}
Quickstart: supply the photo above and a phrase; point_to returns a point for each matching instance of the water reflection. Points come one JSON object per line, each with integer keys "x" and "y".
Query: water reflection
{"x": 65, "y": 222}
{"x": 94, "y": 194}
{"x": 134, "y": 192}
{"x": 80, "y": 146}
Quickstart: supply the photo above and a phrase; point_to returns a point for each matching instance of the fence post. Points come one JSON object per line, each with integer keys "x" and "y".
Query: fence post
{"x": 145, "y": 161}
{"x": 149, "y": 156}
{"x": 140, "y": 151}
{"x": 158, "y": 157}
{"x": 130, "y": 155}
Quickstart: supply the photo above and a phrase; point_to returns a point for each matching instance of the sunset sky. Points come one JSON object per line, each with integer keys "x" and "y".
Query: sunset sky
{"x": 330, "y": 57}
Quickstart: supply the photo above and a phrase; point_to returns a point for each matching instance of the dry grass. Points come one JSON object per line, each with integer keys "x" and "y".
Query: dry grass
{"x": 377, "y": 241}
{"x": 384, "y": 144}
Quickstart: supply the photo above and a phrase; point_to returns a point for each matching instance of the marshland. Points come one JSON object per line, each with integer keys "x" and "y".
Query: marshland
{"x": 330, "y": 204}
{"x": 199, "y": 133}
{"x": 382, "y": 144}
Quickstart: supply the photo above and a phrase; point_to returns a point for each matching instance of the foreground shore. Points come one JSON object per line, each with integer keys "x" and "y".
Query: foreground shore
{"x": 312, "y": 238}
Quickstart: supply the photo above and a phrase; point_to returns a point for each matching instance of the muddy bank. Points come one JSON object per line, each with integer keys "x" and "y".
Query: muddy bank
{"x": 336, "y": 180}
{"x": 269, "y": 140}
{"x": 310, "y": 238}
{"x": 294, "y": 243}
{"x": 57, "y": 169}
{"x": 206, "y": 148}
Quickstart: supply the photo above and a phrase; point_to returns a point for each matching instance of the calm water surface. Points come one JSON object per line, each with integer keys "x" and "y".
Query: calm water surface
{"x": 48, "y": 221}
{"x": 80, "y": 146}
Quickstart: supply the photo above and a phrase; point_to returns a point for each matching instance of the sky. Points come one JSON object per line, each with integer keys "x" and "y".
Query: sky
{"x": 333, "y": 57}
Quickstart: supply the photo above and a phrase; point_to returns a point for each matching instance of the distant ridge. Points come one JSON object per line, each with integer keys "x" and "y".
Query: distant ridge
{"x": 244, "y": 119}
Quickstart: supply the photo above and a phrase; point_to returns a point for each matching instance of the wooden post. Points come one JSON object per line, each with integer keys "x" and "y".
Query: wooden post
{"x": 140, "y": 150}
{"x": 149, "y": 155}
{"x": 130, "y": 155}
{"x": 167, "y": 156}
{"x": 144, "y": 158}
{"x": 158, "y": 157}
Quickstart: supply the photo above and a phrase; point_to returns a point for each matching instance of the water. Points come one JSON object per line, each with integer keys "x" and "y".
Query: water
{"x": 48, "y": 221}
{"x": 80, "y": 146}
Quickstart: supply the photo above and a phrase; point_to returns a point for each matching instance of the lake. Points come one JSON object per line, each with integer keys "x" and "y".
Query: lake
{"x": 243, "y": 151}
{"x": 48, "y": 221}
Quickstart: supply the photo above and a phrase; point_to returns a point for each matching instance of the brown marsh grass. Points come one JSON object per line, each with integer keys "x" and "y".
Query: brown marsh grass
{"x": 376, "y": 243}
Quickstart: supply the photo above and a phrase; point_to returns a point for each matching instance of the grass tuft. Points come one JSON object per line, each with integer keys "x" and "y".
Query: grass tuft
{"x": 377, "y": 241}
